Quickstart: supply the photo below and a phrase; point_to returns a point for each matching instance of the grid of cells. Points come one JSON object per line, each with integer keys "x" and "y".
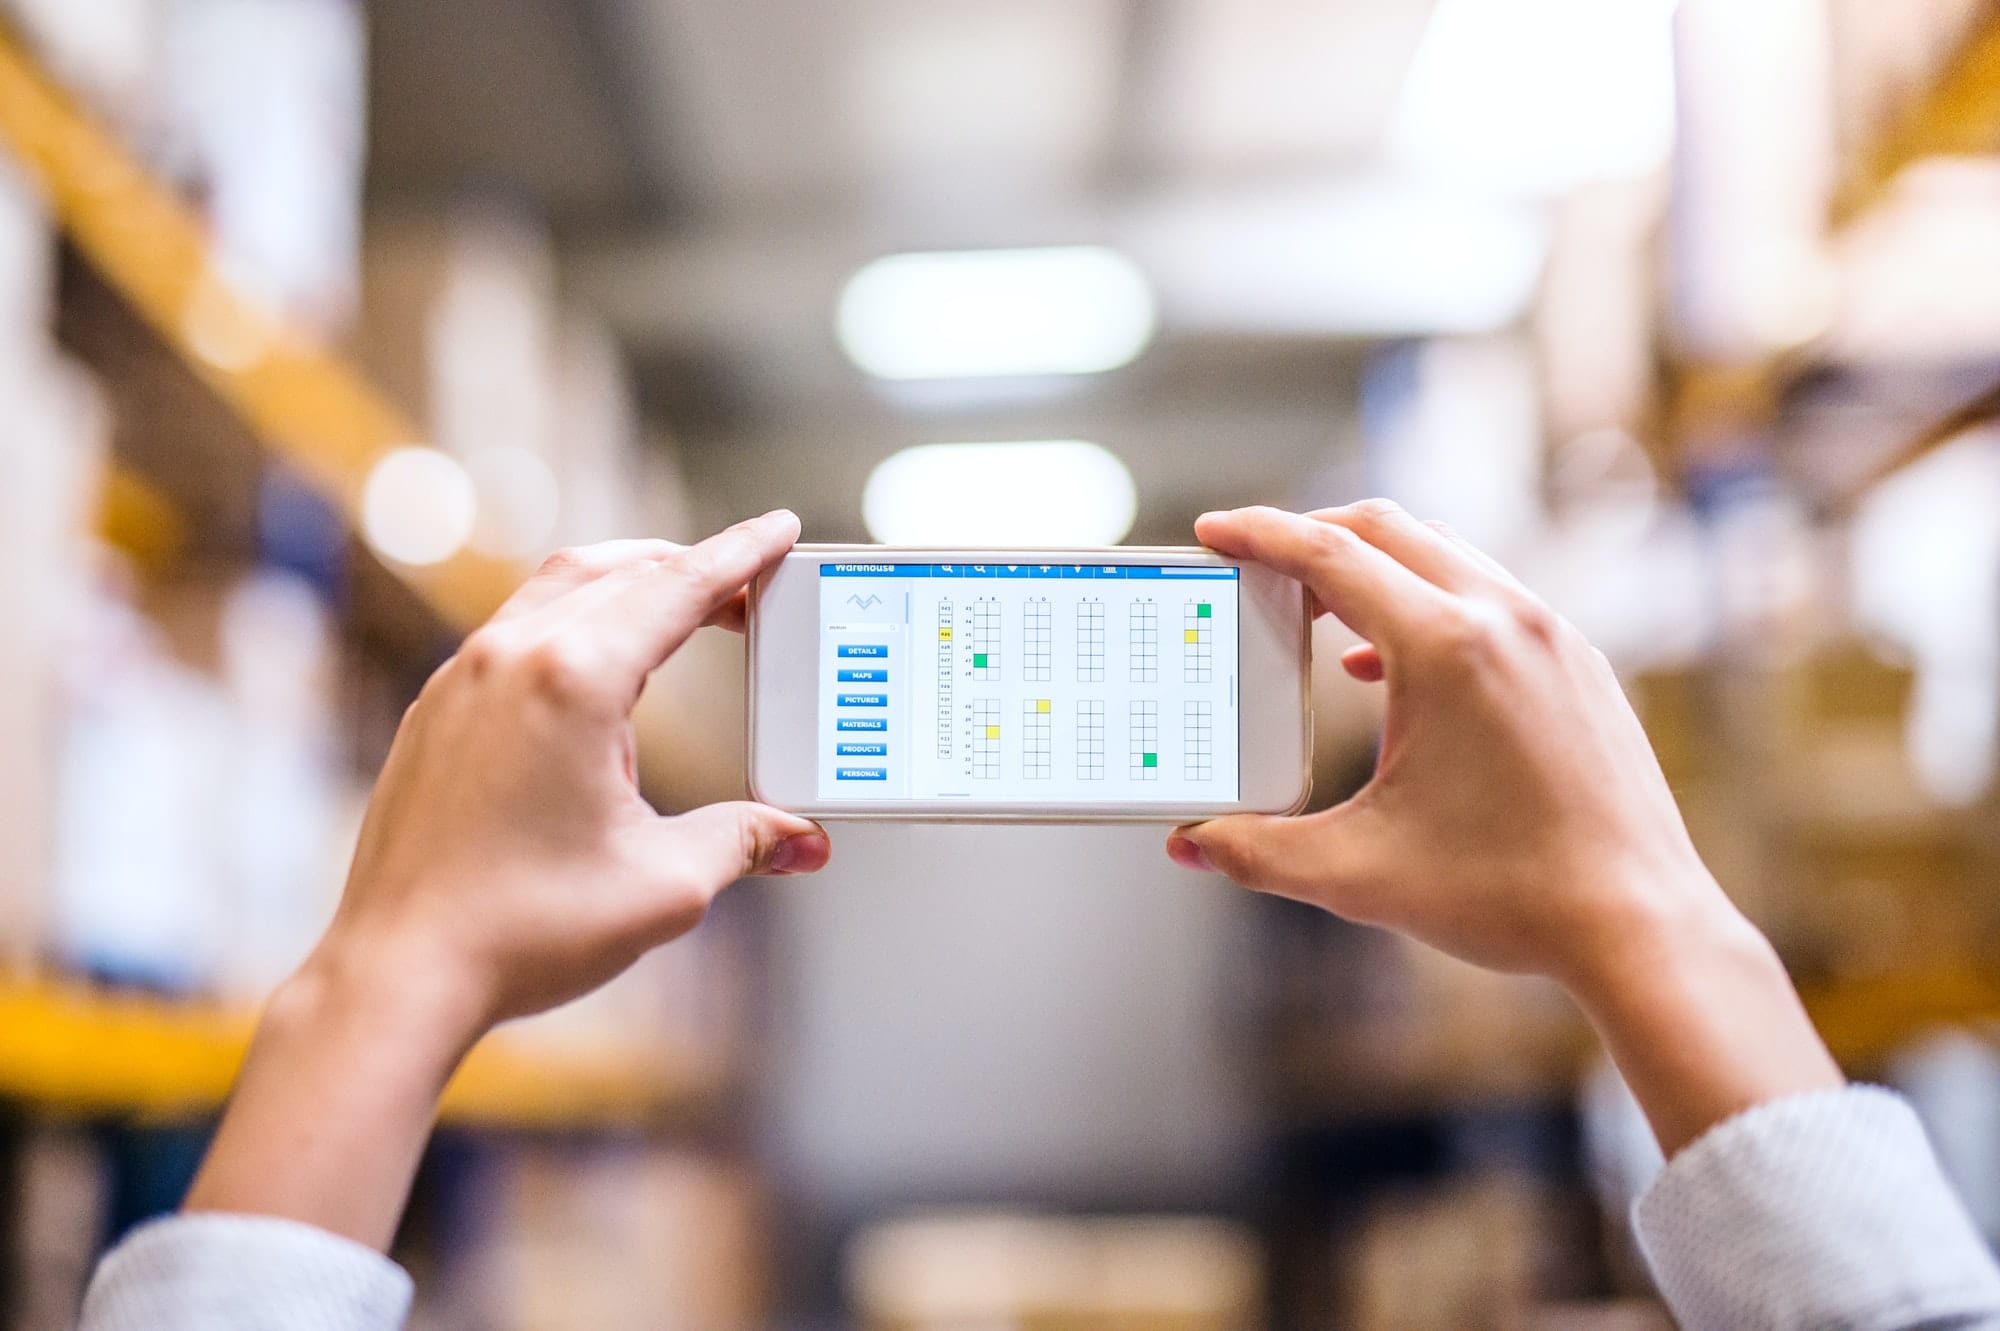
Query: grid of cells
{"x": 1037, "y": 744}
{"x": 985, "y": 643}
{"x": 1143, "y": 733}
{"x": 1197, "y": 643}
{"x": 1037, "y": 639}
{"x": 986, "y": 739}
{"x": 1090, "y": 740}
{"x": 1198, "y": 741}
{"x": 1090, "y": 641}
{"x": 944, "y": 663}
{"x": 1143, "y": 642}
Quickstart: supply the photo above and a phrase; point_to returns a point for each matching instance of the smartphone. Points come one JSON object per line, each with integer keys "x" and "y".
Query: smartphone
{"x": 1120, "y": 685}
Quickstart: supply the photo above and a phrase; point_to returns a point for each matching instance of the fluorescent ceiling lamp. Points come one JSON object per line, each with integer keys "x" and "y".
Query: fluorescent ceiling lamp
{"x": 989, "y": 313}
{"x": 1363, "y": 258}
{"x": 1537, "y": 96}
{"x": 417, "y": 506}
{"x": 1040, "y": 493}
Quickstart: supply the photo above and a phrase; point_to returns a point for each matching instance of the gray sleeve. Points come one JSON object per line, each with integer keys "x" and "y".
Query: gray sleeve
{"x": 1826, "y": 1211}
{"x": 212, "y": 1272}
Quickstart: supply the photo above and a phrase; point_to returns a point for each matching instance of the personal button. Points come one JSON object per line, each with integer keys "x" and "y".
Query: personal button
{"x": 861, "y": 773}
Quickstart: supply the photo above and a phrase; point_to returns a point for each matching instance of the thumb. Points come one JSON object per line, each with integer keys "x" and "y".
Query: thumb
{"x": 713, "y": 846}
{"x": 1303, "y": 858}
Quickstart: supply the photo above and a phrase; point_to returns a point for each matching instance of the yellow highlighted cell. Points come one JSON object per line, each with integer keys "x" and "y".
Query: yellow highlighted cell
{"x": 944, "y": 635}
{"x": 1041, "y": 704}
{"x": 993, "y": 732}
{"x": 1194, "y": 635}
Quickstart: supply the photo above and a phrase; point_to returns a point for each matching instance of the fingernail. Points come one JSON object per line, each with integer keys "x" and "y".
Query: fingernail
{"x": 1212, "y": 513}
{"x": 1188, "y": 855}
{"x": 779, "y": 515}
{"x": 799, "y": 854}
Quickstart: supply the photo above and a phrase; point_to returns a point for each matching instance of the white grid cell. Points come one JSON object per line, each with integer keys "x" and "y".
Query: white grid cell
{"x": 986, "y": 739}
{"x": 946, "y": 655}
{"x": 1090, "y": 740}
{"x": 1037, "y": 739}
{"x": 1037, "y": 640}
{"x": 1197, "y": 643}
{"x": 986, "y": 638}
{"x": 1090, "y": 641}
{"x": 1143, "y": 739}
{"x": 1198, "y": 740}
{"x": 1142, "y": 641}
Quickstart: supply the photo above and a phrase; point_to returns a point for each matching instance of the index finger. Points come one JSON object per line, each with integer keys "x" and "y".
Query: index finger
{"x": 639, "y": 617}
{"x": 572, "y": 567}
{"x": 1359, "y": 583}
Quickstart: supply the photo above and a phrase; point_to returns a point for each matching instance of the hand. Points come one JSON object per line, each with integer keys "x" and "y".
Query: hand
{"x": 507, "y": 864}
{"x": 507, "y": 844}
{"x": 1517, "y": 817}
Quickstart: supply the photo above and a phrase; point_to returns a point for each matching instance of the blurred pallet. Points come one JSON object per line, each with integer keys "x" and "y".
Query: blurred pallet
{"x": 72, "y": 1050}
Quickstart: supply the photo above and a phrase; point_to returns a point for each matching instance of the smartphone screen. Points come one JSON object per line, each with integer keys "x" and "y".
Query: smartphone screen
{"x": 1029, "y": 682}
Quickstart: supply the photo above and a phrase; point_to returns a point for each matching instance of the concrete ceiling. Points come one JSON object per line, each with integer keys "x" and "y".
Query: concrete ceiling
{"x": 716, "y": 169}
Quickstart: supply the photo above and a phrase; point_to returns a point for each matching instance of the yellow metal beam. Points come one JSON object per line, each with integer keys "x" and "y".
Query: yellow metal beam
{"x": 78, "y": 1050}
{"x": 1957, "y": 115}
{"x": 1866, "y": 1021}
{"x": 302, "y": 400}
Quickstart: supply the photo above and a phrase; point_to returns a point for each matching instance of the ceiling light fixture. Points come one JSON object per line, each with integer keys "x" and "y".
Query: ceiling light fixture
{"x": 989, "y": 313}
{"x": 1052, "y": 492}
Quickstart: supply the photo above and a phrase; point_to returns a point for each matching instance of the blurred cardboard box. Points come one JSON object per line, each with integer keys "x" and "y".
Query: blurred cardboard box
{"x": 1461, "y": 1257}
{"x": 612, "y": 1236}
{"x": 947, "y": 1272}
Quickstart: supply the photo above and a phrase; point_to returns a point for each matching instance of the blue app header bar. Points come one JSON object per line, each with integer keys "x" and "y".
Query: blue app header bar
{"x": 1162, "y": 571}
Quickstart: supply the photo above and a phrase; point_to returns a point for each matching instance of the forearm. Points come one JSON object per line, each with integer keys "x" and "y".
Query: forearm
{"x": 1697, "y": 1011}
{"x": 337, "y": 1097}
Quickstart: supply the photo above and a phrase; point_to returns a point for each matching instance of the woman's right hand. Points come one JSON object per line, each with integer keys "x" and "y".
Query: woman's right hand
{"x": 1517, "y": 817}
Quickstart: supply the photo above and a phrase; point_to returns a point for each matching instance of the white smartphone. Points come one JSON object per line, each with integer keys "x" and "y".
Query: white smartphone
{"x": 1119, "y": 685}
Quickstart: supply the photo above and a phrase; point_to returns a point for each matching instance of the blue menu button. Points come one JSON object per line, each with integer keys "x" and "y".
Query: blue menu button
{"x": 857, "y": 749}
{"x": 876, "y": 675}
{"x": 861, "y": 774}
{"x": 861, "y": 723}
{"x": 863, "y": 700}
{"x": 862, "y": 649}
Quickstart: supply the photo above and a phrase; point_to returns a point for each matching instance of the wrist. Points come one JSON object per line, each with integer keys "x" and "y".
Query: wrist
{"x": 1697, "y": 1010}
{"x": 337, "y": 1097}
{"x": 421, "y": 1013}
{"x": 1661, "y": 932}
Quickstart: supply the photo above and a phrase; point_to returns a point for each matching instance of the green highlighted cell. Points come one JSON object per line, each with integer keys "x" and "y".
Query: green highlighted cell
{"x": 1203, "y": 610}
{"x": 1149, "y": 760}
{"x": 979, "y": 660}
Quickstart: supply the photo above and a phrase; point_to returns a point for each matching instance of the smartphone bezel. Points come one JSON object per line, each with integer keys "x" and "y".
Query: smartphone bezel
{"x": 1275, "y": 645}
